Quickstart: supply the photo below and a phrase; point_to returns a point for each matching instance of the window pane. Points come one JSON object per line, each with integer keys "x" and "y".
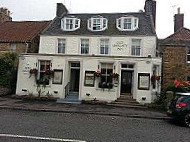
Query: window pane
{"x": 127, "y": 23}
{"x": 136, "y": 46}
{"x": 188, "y": 57}
{"x": 61, "y": 45}
{"x": 84, "y": 46}
{"x": 104, "y": 46}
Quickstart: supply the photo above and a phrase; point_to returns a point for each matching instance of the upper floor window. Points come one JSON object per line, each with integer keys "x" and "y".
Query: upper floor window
{"x": 84, "y": 46}
{"x": 188, "y": 54}
{"x": 127, "y": 23}
{"x": 70, "y": 24}
{"x": 97, "y": 23}
{"x": 136, "y": 47}
{"x": 61, "y": 45}
{"x": 104, "y": 46}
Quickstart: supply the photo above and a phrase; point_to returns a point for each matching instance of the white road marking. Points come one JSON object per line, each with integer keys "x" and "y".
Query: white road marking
{"x": 39, "y": 138}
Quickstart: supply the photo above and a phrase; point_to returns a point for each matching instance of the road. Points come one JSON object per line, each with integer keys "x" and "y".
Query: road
{"x": 29, "y": 126}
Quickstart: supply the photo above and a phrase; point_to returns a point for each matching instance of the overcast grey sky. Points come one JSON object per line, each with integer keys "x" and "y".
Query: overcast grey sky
{"x": 45, "y": 10}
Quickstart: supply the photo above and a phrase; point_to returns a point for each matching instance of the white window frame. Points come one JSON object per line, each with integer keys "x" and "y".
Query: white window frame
{"x": 135, "y": 46}
{"x": 43, "y": 71}
{"x": 103, "y": 24}
{"x": 13, "y": 46}
{"x": 104, "y": 46}
{"x": 84, "y": 39}
{"x": 75, "y": 23}
{"x": 58, "y": 41}
{"x": 106, "y": 75}
{"x": 188, "y": 54}
{"x": 121, "y": 21}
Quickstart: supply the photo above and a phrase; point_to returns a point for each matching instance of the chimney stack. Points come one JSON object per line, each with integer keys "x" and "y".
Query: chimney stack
{"x": 150, "y": 9}
{"x": 178, "y": 20}
{"x": 61, "y": 9}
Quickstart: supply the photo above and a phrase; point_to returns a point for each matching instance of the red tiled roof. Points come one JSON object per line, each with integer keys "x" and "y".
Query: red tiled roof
{"x": 21, "y": 31}
{"x": 182, "y": 34}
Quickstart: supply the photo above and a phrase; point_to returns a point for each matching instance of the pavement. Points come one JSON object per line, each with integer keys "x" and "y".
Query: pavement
{"x": 49, "y": 106}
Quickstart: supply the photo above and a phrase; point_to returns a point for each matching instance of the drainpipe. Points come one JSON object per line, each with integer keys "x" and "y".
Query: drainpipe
{"x": 26, "y": 47}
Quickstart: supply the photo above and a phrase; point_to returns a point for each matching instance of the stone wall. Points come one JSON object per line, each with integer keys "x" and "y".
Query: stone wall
{"x": 20, "y": 47}
{"x": 174, "y": 65}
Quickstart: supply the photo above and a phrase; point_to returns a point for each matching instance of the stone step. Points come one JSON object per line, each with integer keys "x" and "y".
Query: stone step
{"x": 121, "y": 99}
{"x": 127, "y": 106}
{"x": 127, "y": 103}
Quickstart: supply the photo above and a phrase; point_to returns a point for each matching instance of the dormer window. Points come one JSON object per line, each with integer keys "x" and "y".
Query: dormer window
{"x": 70, "y": 24}
{"x": 97, "y": 24}
{"x": 127, "y": 23}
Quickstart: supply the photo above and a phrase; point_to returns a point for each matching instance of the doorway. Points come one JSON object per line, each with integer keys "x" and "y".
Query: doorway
{"x": 75, "y": 77}
{"x": 126, "y": 81}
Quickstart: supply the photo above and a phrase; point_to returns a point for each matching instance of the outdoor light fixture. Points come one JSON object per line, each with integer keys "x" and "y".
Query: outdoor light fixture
{"x": 87, "y": 94}
{"x": 143, "y": 98}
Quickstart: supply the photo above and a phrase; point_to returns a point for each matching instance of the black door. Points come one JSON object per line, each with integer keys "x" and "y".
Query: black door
{"x": 75, "y": 76}
{"x": 126, "y": 81}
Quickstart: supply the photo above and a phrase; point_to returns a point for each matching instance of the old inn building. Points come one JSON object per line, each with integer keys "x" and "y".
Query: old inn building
{"x": 97, "y": 56}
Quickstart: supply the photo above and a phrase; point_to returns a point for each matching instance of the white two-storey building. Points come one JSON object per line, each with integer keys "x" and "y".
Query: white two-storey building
{"x": 95, "y": 57}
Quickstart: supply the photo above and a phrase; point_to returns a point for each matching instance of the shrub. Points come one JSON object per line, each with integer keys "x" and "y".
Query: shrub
{"x": 8, "y": 70}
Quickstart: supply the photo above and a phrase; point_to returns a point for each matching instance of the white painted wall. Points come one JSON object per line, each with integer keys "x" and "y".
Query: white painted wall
{"x": 88, "y": 63}
{"x": 48, "y": 45}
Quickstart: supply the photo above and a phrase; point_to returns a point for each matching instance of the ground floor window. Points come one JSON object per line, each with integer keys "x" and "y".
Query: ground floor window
{"x": 44, "y": 72}
{"x": 106, "y": 80}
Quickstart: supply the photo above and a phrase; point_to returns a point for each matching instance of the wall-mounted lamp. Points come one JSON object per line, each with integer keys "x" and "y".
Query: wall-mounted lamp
{"x": 87, "y": 94}
{"x": 143, "y": 98}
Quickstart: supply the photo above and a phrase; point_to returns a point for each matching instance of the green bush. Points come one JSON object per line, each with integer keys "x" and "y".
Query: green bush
{"x": 8, "y": 70}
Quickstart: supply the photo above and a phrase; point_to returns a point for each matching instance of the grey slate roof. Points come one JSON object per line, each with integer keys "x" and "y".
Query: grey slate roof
{"x": 146, "y": 27}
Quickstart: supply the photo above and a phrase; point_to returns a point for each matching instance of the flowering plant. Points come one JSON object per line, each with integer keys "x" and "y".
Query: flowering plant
{"x": 48, "y": 72}
{"x": 33, "y": 71}
{"x": 114, "y": 75}
{"x": 181, "y": 84}
{"x": 97, "y": 73}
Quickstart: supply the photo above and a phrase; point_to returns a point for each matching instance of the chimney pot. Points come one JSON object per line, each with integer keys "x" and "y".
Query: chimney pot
{"x": 178, "y": 10}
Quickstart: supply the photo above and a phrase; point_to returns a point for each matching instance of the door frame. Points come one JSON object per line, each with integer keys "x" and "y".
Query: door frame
{"x": 133, "y": 91}
{"x": 132, "y": 80}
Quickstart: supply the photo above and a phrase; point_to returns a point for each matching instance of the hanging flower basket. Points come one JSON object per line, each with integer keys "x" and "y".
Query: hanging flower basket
{"x": 49, "y": 72}
{"x": 97, "y": 73}
{"x": 33, "y": 71}
{"x": 114, "y": 75}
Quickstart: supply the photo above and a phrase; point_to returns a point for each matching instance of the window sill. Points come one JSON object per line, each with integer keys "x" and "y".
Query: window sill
{"x": 106, "y": 89}
{"x": 35, "y": 85}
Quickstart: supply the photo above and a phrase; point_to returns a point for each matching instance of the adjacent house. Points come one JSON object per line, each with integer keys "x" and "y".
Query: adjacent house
{"x": 21, "y": 36}
{"x": 95, "y": 56}
{"x": 176, "y": 53}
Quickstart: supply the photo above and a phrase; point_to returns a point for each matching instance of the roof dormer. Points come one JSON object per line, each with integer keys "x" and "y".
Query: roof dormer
{"x": 97, "y": 23}
{"x": 70, "y": 23}
{"x": 127, "y": 23}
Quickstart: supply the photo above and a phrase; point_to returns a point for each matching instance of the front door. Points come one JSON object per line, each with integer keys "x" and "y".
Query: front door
{"x": 126, "y": 81}
{"x": 75, "y": 76}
